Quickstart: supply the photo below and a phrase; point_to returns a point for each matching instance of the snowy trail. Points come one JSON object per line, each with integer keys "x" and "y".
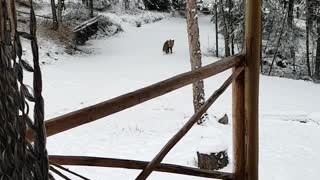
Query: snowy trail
{"x": 132, "y": 60}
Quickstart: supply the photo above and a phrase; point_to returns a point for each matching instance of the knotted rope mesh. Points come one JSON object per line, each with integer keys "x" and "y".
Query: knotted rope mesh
{"x": 19, "y": 158}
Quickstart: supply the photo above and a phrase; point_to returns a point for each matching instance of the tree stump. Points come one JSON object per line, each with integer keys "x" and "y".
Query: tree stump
{"x": 213, "y": 161}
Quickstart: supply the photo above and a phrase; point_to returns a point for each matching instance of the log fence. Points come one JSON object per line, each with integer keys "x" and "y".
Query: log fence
{"x": 245, "y": 93}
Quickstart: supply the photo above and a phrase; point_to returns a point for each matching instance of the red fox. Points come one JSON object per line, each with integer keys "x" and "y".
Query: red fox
{"x": 168, "y": 45}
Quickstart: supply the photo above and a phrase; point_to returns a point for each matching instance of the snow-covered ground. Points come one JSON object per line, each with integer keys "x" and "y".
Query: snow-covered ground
{"x": 133, "y": 59}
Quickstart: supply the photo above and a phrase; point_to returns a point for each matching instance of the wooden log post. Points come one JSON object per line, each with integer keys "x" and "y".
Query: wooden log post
{"x": 238, "y": 126}
{"x": 251, "y": 86}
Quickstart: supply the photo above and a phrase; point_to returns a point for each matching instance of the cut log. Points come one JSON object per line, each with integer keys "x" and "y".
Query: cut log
{"x": 213, "y": 161}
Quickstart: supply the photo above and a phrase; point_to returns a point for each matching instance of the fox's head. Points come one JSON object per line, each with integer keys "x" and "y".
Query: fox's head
{"x": 171, "y": 41}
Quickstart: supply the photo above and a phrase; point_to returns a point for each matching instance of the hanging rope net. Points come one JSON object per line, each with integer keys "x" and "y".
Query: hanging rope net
{"x": 19, "y": 158}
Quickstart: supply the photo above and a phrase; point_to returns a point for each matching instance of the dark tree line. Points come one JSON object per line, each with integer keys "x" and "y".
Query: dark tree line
{"x": 58, "y": 7}
{"x": 291, "y": 35}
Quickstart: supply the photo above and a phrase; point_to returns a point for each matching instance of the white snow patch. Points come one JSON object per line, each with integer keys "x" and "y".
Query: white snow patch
{"x": 315, "y": 116}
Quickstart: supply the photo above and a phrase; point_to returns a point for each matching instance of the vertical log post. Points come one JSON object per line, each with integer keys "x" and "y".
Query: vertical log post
{"x": 238, "y": 126}
{"x": 251, "y": 100}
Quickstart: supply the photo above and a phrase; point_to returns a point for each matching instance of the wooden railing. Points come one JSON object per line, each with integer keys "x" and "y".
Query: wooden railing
{"x": 245, "y": 95}
{"x": 183, "y": 131}
{"x": 104, "y": 109}
{"x": 95, "y": 112}
{"x": 133, "y": 164}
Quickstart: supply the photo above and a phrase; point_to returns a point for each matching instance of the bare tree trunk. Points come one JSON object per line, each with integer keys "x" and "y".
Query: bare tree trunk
{"x": 278, "y": 44}
{"x": 225, "y": 31}
{"x": 230, "y": 5}
{"x": 195, "y": 55}
{"x": 317, "y": 63}
{"x": 138, "y": 4}
{"x": 261, "y": 45}
{"x": 243, "y": 6}
{"x": 126, "y": 4}
{"x": 308, "y": 27}
{"x": 54, "y": 15}
{"x": 91, "y": 8}
{"x": 60, "y": 13}
{"x": 290, "y": 25}
{"x": 216, "y": 26}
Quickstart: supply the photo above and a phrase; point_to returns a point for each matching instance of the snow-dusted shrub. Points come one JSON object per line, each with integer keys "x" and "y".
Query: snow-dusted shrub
{"x": 107, "y": 27}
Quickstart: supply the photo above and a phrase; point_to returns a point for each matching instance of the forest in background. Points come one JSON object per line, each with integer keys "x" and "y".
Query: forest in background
{"x": 291, "y": 28}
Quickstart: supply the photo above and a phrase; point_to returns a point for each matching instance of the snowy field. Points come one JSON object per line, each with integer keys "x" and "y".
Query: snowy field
{"x": 133, "y": 59}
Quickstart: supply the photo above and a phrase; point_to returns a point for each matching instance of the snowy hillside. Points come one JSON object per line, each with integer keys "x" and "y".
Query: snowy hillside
{"x": 289, "y": 109}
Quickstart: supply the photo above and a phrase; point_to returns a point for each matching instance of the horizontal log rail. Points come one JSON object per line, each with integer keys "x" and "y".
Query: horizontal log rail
{"x": 58, "y": 173}
{"x": 67, "y": 170}
{"x": 134, "y": 164}
{"x": 94, "y": 112}
{"x": 184, "y": 130}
